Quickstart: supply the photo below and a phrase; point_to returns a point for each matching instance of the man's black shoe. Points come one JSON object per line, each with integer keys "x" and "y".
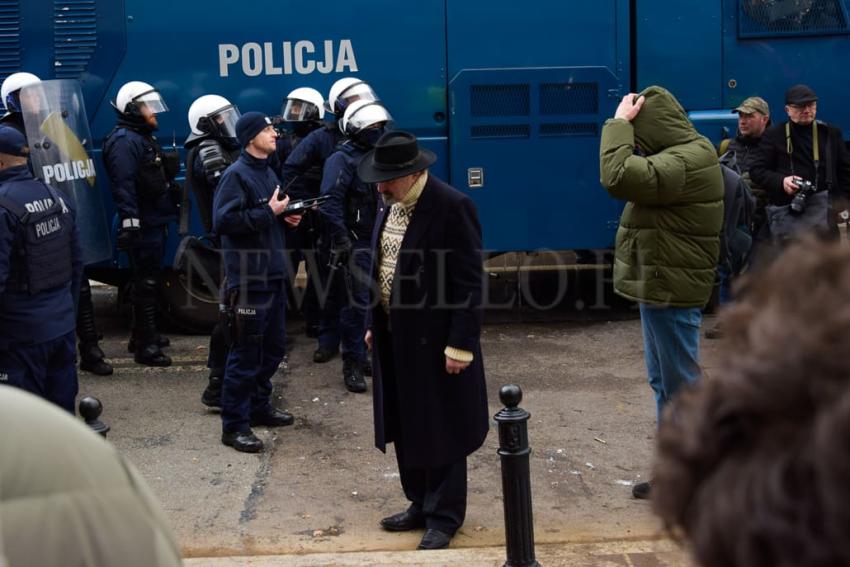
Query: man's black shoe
{"x": 714, "y": 332}
{"x": 366, "y": 366}
{"x": 96, "y": 366}
{"x": 642, "y": 490}
{"x": 352, "y": 375}
{"x": 323, "y": 354}
{"x": 152, "y": 356}
{"x": 212, "y": 393}
{"x": 245, "y": 442}
{"x": 434, "y": 539}
{"x": 403, "y": 522}
{"x": 273, "y": 418}
{"x": 161, "y": 342}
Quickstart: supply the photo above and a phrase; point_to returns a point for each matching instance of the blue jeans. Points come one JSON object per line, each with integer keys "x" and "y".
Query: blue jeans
{"x": 671, "y": 349}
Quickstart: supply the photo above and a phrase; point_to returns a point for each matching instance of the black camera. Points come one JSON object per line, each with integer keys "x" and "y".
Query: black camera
{"x": 804, "y": 189}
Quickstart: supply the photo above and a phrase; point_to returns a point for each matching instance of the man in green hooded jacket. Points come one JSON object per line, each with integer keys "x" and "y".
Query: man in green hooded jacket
{"x": 668, "y": 241}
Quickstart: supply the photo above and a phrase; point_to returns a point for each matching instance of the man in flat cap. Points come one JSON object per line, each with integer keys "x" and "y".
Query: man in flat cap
{"x": 803, "y": 158}
{"x": 430, "y": 398}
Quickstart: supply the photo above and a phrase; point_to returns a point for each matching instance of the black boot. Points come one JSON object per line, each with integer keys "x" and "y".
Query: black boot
{"x": 91, "y": 360}
{"x": 91, "y": 356}
{"x": 146, "y": 350}
{"x": 160, "y": 340}
{"x": 212, "y": 394}
{"x": 352, "y": 375}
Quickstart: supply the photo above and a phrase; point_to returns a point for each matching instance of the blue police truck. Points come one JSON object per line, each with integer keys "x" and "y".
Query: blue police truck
{"x": 511, "y": 96}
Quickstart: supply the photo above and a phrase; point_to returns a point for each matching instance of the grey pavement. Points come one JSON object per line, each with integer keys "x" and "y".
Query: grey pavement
{"x": 320, "y": 489}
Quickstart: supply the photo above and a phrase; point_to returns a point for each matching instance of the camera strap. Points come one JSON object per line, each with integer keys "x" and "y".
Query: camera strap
{"x": 790, "y": 147}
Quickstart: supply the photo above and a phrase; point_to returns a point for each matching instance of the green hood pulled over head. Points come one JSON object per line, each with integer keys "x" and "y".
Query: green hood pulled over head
{"x": 662, "y": 122}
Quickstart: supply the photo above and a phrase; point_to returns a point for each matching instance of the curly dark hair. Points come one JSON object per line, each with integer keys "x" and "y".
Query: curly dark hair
{"x": 753, "y": 464}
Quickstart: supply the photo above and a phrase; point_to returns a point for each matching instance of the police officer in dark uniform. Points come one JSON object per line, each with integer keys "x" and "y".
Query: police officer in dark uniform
{"x": 91, "y": 355}
{"x": 246, "y": 211}
{"x": 40, "y": 270}
{"x": 302, "y": 113}
{"x": 302, "y": 174}
{"x": 349, "y": 216}
{"x": 142, "y": 177}
{"x": 210, "y": 149}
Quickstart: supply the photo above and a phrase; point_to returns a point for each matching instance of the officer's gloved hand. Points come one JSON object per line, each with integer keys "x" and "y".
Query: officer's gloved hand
{"x": 128, "y": 234}
{"x": 341, "y": 251}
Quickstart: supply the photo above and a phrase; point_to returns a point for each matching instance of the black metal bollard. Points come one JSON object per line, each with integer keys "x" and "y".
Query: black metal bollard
{"x": 516, "y": 478}
{"x": 90, "y": 410}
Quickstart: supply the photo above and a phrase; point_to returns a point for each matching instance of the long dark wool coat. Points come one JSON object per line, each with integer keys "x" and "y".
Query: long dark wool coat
{"x": 436, "y": 417}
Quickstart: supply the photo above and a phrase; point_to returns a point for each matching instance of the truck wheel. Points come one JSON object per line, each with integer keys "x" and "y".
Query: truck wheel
{"x": 188, "y": 305}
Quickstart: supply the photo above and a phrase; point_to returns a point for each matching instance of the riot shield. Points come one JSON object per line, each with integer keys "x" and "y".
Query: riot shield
{"x": 61, "y": 152}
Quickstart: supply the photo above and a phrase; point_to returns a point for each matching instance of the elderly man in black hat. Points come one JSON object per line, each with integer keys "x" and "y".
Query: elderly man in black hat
{"x": 802, "y": 155}
{"x": 430, "y": 397}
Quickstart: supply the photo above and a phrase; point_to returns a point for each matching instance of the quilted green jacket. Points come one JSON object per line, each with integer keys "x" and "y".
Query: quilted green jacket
{"x": 668, "y": 239}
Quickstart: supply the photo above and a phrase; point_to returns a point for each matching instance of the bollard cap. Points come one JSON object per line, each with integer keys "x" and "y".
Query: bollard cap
{"x": 90, "y": 408}
{"x": 511, "y": 395}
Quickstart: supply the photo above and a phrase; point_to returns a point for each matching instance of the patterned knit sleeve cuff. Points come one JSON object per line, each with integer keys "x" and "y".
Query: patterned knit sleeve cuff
{"x": 458, "y": 354}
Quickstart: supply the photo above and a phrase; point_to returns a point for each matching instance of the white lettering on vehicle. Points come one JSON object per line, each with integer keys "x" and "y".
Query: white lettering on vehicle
{"x": 68, "y": 171}
{"x": 301, "y": 58}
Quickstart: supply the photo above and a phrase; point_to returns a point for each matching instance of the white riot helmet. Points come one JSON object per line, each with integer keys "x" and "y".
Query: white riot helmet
{"x": 11, "y": 89}
{"x": 135, "y": 94}
{"x": 346, "y": 91}
{"x": 214, "y": 115}
{"x": 362, "y": 114}
{"x": 303, "y": 105}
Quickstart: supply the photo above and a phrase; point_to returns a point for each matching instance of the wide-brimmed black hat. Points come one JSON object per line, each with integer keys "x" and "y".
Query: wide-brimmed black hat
{"x": 395, "y": 155}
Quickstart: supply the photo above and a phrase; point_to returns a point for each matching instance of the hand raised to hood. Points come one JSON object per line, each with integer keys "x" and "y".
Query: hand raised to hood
{"x": 629, "y": 107}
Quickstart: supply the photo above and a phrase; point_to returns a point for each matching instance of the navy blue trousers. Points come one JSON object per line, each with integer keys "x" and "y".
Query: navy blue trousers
{"x": 344, "y": 314}
{"x": 254, "y": 357}
{"x": 47, "y": 369}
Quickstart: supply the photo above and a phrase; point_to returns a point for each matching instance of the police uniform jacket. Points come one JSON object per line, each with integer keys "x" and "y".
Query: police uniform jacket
{"x": 772, "y": 163}
{"x": 47, "y": 251}
{"x": 199, "y": 180}
{"x": 304, "y": 165}
{"x": 252, "y": 237}
{"x": 67, "y": 497}
{"x": 437, "y": 417}
{"x": 140, "y": 187}
{"x": 350, "y": 211}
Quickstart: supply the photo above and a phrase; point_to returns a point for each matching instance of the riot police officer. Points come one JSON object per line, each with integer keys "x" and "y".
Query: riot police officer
{"x": 10, "y": 92}
{"x": 142, "y": 177}
{"x": 303, "y": 112}
{"x": 210, "y": 149}
{"x": 302, "y": 174}
{"x": 40, "y": 269}
{"x": 91, "y": 355}
{"x": 349, "y": 216}
{"x": 246, "y": 211}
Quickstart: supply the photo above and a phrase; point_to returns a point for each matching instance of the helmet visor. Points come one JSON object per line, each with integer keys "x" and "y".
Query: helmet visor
{"x": 297, "y": 110}
{"x": 151, "y": 100}
{"x": 358, "y": 91}
{"x": 225, "y": 120}
{"x": 367, "y": 116}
